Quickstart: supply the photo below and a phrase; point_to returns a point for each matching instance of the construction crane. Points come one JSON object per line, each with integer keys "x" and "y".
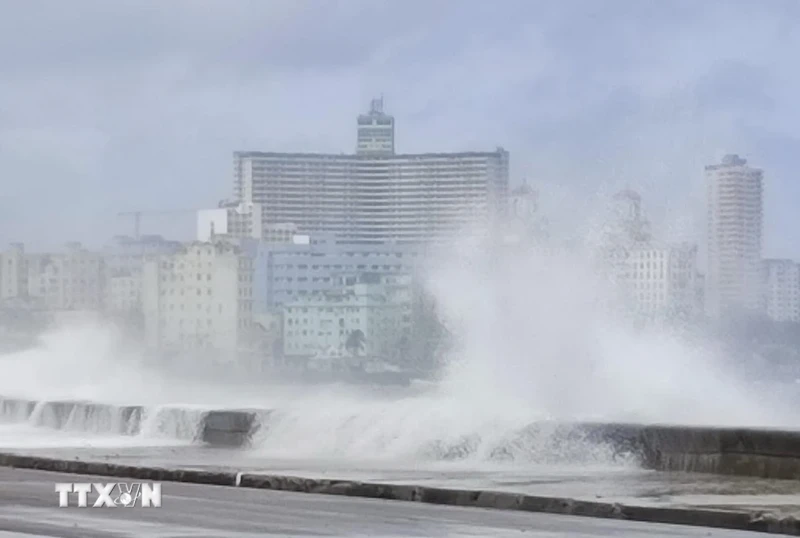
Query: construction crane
{"x": 137, "y": 217}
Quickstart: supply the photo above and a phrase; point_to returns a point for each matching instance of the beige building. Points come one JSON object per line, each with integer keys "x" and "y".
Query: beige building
{"x": 70, "y": 280}
{"x": 124, "y": 260}
{"x": 735, "y": 216}
{"x": 200, "y": 298}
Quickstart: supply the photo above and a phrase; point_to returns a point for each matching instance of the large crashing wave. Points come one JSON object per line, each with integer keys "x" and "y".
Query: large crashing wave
{"x": 538, "y": 338}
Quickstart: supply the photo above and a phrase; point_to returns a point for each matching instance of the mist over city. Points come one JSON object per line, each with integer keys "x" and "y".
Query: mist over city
{"x": 545, "y": 249}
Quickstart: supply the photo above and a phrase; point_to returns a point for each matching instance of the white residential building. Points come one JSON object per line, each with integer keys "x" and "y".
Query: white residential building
{"x": 663, "y": 280}
{"x": 735, "y": 215}
{"x": 782, "y": 290}
{"x": 200, "y": 298}
{"x": 70, "y": 280}
{"x": 124, "y": 260}
{"x": 324, "y": 324}
{"x": 124, "y": 293}
{"x": 375, "y": 195}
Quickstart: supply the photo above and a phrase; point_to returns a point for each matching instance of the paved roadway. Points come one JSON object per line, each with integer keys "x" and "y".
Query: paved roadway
{"x": 620, "y": 483}
{"x": 28, "y": 507}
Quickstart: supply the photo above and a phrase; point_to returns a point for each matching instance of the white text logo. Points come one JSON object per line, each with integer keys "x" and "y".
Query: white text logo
{"x": 111, "y": 495}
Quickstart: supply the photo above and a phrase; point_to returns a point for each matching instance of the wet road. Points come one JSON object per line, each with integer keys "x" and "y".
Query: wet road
{"x": 29, "y": 507}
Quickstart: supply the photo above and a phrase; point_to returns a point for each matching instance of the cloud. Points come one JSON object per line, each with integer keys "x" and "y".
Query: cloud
{"x": 140, "y": 104}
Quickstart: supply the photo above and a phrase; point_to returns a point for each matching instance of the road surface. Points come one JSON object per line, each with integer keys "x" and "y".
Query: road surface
{"x": 29, "y": 507}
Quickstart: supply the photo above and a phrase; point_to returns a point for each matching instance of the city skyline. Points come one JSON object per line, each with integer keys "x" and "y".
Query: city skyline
{"x": 152, "y": 127}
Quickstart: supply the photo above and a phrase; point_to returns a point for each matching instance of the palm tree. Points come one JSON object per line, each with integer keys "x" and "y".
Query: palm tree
{"x": 355, "y": 342}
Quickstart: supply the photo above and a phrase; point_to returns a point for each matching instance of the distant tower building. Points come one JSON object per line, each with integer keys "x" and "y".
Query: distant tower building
{"x": 735, "y": 215}
{"x": 375, "y": 131}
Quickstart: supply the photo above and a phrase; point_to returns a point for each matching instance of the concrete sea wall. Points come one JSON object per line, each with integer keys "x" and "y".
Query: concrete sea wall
{"x": 738, "y": 451}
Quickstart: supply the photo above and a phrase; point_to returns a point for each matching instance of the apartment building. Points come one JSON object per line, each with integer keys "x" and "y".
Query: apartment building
{"x": 124, "y": 262}
{"x": 366, "y": 319}
{"x": 73, "y": 279}
{"x": 375, "y": 195}
{"x": 781, "y": 288}
{"x": 663, "y": 280}
{"x": 735, "y": 215}
{"x": 199, "y": 298}
{"x": 285, "y": 272}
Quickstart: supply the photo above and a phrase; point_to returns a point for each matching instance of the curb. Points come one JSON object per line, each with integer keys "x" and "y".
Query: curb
{"x": 741, "y": 520}
{"x": 121, "y": 471}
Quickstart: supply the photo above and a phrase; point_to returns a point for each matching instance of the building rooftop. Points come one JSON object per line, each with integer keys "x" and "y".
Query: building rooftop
{"x": 367, "y": 157}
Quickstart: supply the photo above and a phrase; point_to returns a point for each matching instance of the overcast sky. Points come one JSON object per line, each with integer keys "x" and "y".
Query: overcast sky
{"x": 108, "y": 106}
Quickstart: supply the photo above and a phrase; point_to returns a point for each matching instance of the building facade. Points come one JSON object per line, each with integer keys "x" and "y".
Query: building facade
{"x": 375, "y": 131}
{"x": 14, "y": 273}
{"x": 663, "y": 280}
{"x": 375, "y": 195}
{"x": 124, "y": 259}
{"x": 284, "y": 272}
{"x": 360, "y": 319}
{"x": 70, "y": 280}
{"x": 235, "y": 219}
{"x": 199, "y": 299}
{"x": 782, "y": 290}
{"x": 735, "y": 215}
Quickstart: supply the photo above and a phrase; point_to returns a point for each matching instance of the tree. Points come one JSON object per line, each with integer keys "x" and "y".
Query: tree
{"x": 356, "y": 342}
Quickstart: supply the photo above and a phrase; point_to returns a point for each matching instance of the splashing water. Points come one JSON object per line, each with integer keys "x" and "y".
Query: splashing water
{"x": 539, "y": 336}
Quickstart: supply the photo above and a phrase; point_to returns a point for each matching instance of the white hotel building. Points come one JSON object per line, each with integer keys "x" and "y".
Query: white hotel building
{"x": 375, "y": 195}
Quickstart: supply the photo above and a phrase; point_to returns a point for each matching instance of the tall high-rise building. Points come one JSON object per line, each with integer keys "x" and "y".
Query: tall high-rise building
{"x": 375, "y": 131}
{"x": 375, "y": 195}
{"x": 735, "y": 215}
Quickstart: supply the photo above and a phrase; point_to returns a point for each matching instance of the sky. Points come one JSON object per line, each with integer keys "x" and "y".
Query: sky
{"x": 138, "y": 105}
